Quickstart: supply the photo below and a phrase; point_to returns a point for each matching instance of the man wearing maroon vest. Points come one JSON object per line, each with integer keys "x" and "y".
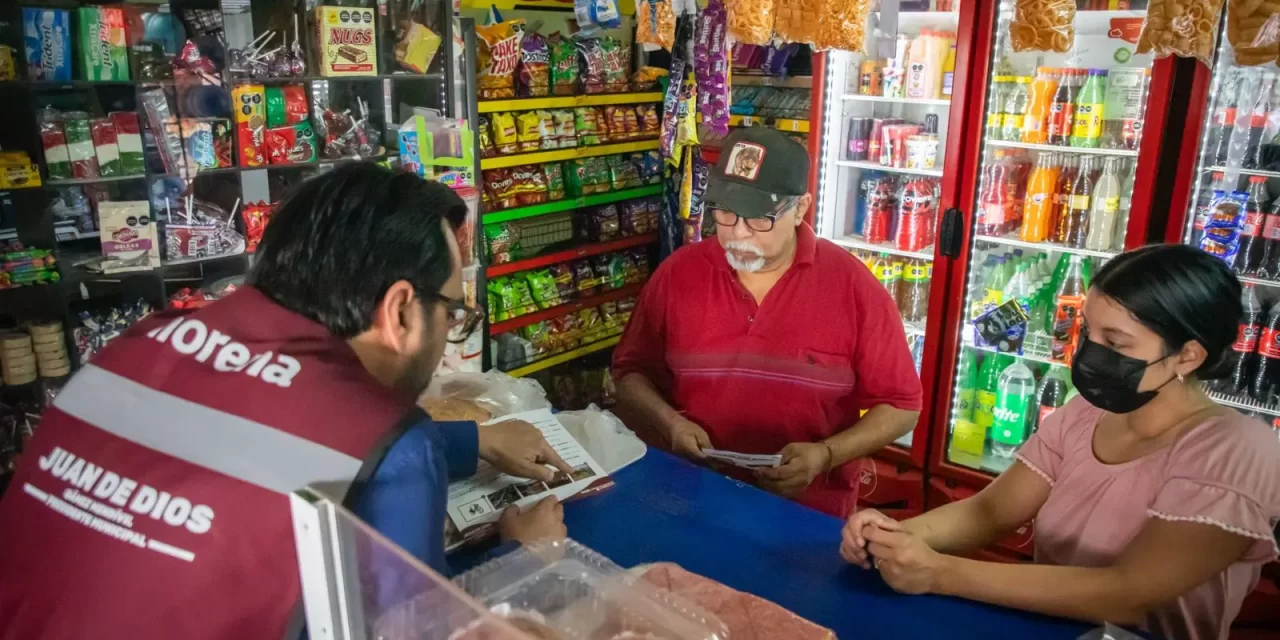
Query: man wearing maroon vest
{"x": 153, "y": 500}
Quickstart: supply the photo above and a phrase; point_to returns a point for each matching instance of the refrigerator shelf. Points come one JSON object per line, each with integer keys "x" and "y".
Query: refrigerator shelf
{"x": 875, "y": 166}
{"x": 1047, "y": 246}
{"x": 987, "y": 462}
{"x": 1241, "y": 171}
{"x": 855, "y": 97}
{"x": 1122, "y": 153}
{"x": 1032, "y": 355}
{"x": 852, "y": 242}
{"x": 1259, "y": 281}
{"x": 1243, "y": 403}
{"x": 913, "y": 21}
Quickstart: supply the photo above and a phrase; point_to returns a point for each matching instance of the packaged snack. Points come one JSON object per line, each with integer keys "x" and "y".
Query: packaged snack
{"x": 566, "y": 287}
{"x": 84, "y": 163}
{"x": 650, "y": 166}
{"x": 586, "y": 176}
{"x": 105, "y": 148}
{"x": 797, "y": 20}
{"x": 486, "y": 140}
{"x": 617, "y": 64}
{"x": 630, "y": 123}
{"x": 129, "y": 142}
{"x": 641, "y": 259}
{"x": 600, "y": 267}
{"x": 417, "y": 48}
{"x": 539, "y": 335}
{"x": 535, "y": 66}
{"x": 547, "y": 131}
{"x": 529, "y": 184}
{"x": 1222, "y": 228}
{"x": 564, "y": 65}
{"x": 291, "y": 144}
{"x": 585, "y": 277}
{"x": 528, "y": 131}
{"x": 56, "y": 152}
{"x": 347, "y": 41}
{"x": 128, "y": 236}
{"x": 502, "y": 242}
{"x": 751, "y": 21}
{"x": 655, "y": 24}
{"x": 46, "y": 38}
{"x": 588, "y": 125}
{"x": 602, "y": 223}
{"x": 249, "y": 101}
{"x": 499, "y": 53}
{"x": 256, "y": 216}
{"x": 593, "y": 15}
{"x": 841, "y": 25}
{"x": 623, "y": 174}
{"x": 223, "y": 141}
{"x": 518, "y": 298}
{"x": 497, "y": 310}
{"x": 647, "y": 120}
{"x": 542, "y": 286}
{"x": 633, "y": 218}
{"x": 592, "y": 63}
{"x": 566, "y": 133}
{"x": 505, "y": 136}
{"x": 555, "y": 181}
{"x": 1188, "y": 28}
{"x": 100, "y": 34}
{"x": 1048, "y": 25}
{"x": 630, "y": 271}
{"x": 499, "y": 185}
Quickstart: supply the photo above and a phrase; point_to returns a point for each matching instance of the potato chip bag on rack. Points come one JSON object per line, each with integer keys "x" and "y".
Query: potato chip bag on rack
{"x": 797, "y": 20}
{"x": 1253, "y": 29}
{"x": 841, "y": 25}
{"x": 1185, "y": 28}
{"x": 499, "y": 52}
{"x": 1044, "y": 25}
{"x": 656, "y": 23}
{"x": 750, "y": 21}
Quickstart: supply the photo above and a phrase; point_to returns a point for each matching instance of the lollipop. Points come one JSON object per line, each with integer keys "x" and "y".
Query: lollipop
{"x": 297, "y": 61}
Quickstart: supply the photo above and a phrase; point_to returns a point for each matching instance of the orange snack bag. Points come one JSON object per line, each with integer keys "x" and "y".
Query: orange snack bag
{"x": 750, "y": 21}
{"x": 1043, "y": 25}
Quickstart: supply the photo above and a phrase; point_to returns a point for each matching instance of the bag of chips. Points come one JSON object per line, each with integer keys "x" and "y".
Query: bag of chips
{"x": 647, "y": 121}
{"x": 563, "y": 275}
{"x": 486, "y": 138}
{"x": 529, "y": 131}
{"x": 502, "y": 242}
{"x": 602, "y": 223}
{"x": 505, "y": 136}
{"x": 1188, "y": 28}
{"x": 588, "y": 125}
{"x": 566, "y": 133}
{"x": 555, "y": 181}
{"x": 750, "y": 21}
{"x": 623, "y": 173}
{"x": 500, "y": 187}
{"x": 547, "y": 131}
{"x": 529, "y": 184}
{"x": 542, "y": 286}
{"x": 498, "y": 52}
{"x": 585, "y": 278}
{"x": 591, "y": 64}
{"x": 655, "y": 23}
{"x": 535, "y": 66}
{"x": 617, "y": 65}
{"x": 564, "y": 65}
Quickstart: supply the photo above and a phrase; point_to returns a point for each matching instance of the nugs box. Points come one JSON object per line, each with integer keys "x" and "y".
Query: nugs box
{"x": 347, "y": 40}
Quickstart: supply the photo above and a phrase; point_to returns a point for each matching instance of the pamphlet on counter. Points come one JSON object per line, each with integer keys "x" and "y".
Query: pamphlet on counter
{"x": 475, "y": 504}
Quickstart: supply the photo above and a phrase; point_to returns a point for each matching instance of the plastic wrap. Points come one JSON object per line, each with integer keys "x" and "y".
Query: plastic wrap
{"x": 1222, "y": 229}
{"x": 841, "y": 25}
{"x": 711, "y": 67}
{"x": 1184, "y": 28}
{"x": 746, "y": 617}
{"x": 1253, "y": 29}
{"x": 797, "y": 20}
{"x": 750, "y": 21}
{"x": 492, "y": 391}
{"x": 604, "y": 436}
{"x": 656, "y": 23}
{"x": 562, "y": 589}
{"x": 1045, "y": 25}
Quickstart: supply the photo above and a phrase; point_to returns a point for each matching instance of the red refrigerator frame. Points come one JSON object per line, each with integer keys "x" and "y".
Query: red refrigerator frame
{"x": 952, "y": 196}
{"x": 948, "y": 347}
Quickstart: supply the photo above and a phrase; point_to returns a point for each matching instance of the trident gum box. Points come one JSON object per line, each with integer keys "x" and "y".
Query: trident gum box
{"x": 101, "y": 40}
{"x": 46, "y": 37}
{"x": 347, "y": 41}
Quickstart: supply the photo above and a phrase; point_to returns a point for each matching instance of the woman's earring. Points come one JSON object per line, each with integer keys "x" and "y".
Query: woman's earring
{"x": 1180, "y": 378}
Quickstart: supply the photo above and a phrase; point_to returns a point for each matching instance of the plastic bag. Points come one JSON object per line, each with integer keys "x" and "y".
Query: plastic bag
{"x": 1222, "y": 229}
{"x": 604, "y": 436}
{"x": 499, "y": 53}
{"x": 841, "y": 25}
{"x": 1253, "y": 29}
{"x": 493, "y": 391}
{"x": 797, "y": 20}
{"x": 750, "y": 21}
{"x": 656, "y": 23}
{"x": 1046, "y": 25}
{"x": 1180, "y": 27}
{"x": 594, "y": 15}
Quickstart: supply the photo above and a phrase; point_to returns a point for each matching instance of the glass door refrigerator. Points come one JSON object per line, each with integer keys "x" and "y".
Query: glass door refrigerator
{"x": 888, "y": 171}
{"x": 1231, "y": 139}
{"x": 1054, "y": 150}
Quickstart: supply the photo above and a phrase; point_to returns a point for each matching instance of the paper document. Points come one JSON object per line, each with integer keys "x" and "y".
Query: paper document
{"x": 481, "y": 498}
{"x": 744, "y": 460}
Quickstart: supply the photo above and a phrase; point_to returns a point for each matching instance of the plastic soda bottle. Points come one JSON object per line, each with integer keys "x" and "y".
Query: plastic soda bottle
{"x": 1090, "y": 102}
{"x": 1066, "y": 176}
{"x": 1015, "y": 109}
{"x": 995, "y": 107}
{"x": 883, "y": 269}
{"x": 1068, "y": 311}
{"x": 1062, "y": 109}
{"x": 917, "y": 210}
{"x": 1037, "y": 212}
{"x": 1051, "y": 394}
{"x": 1075, "y": 219}
{"x": 985, "y": 397}
{"x": 1106, "y": 208}
{"x": 881, "y": 202}
{"x": 994, "y": 202}
{"x": 1249, "y": 257}
{"x": 1015, "y": 393}
{"x": 1035, "y": 121}
{"x": 913, "y": 300}
{"x": 968, "y": 385}
{"x": 1246, "y": 344}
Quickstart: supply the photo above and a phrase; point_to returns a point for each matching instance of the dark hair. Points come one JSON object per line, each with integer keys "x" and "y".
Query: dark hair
{"x": 1181, "y": 293}
{"x": 336, "y": 244}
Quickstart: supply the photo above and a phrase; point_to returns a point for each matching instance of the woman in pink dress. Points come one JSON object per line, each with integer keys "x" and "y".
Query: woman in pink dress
{"x": 1153, "y": 505}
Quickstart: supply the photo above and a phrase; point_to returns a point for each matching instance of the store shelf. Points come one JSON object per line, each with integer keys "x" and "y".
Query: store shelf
{"x": 1042, "y": 358}
{"x": 68, "y": 85}
{"x": 1262, "y": 282}
{"x": 559, "y": 155}
{"x": 1241, "y": 171}
{"x": 789, "y": 125}
{"x": 568, "y": 102}
{"x": 853, "y": 242}
{"x": 988, "y": 461}
{"x": 74, "y": 182}
{"x": 1243, "y": 403}
{"x": 569, "y": 205}
{"x": 293, "y": 79}
{"x": 564, "y": 309}
{"x": 913, "y": 21}
{"x": 547, "y": 363}
{"x": 319, "y": 163}
{"x": 854, "y": 97}
{"x": 875, "y": 166}
{"x": 1045, "y": 246}
{"x": 570, "y": 254}
{"x": 1006, "y": 144}
{"x": 69, "y": 232}
{"x": 744, "y": 79}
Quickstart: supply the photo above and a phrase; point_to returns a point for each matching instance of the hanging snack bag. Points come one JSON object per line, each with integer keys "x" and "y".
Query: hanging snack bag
{"x": 535, "y": 66}
{"x": 750, "y": 21}
{"x": 797, "y": 20}
{"x": 656, "y": 23}
{"x": 499, "y": 53}
{"x": 592, "y": 61}
{"x": 1048, "y": 25}
{"x": 1187, "y": 28}
{"x": 564, "y": 65}
{"x": 593, "y": 15}
{"x": 528, "y": 131}
{"x": 486, "y": 138}
{"x": 588, "y": 126}
{"x": 505, "y": 136}
{"x": 1222, "y": 229}
{"x": 840, "y": 26}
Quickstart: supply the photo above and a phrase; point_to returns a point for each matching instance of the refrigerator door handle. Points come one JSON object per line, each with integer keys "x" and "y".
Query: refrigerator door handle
{"x": 951, "y": 238}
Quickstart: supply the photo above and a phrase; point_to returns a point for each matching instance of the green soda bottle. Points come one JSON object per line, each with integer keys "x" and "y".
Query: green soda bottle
{"x": 1086, "y": 131}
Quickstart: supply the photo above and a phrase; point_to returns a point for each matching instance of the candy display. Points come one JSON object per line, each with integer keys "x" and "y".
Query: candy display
{"x": 499, "y": 53}
{"x": 22, "y": 266}
{"x": 53, "y": 138}
{"x": 249, "y": 102}
{"x": 291, "y": 144}
{"x": 711, "y": 66}
{"x": 259, "y": 59}
{"x": 524, "y": 132}
{"x": 107, "y": 150}
{"x": 101, "y": 41}
{"x": 46, "y": 38}
{"x": 256, "y": 216}
{"x": 128, "y": 236}
{"x": 97, "y": 329}
{"x": 347, "y": 41}
{"x": 199, "y": 230}
{"x": 84, "y": 161}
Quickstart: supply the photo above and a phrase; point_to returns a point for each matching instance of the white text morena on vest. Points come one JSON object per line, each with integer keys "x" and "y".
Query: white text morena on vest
{"x": 192, "y": 337}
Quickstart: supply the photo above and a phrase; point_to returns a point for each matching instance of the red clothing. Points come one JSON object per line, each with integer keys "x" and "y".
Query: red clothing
{"x": 826, "y": 344}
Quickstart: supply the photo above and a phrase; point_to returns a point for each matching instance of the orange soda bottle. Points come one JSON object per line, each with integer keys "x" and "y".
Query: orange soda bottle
{"x": 1038, "y": 210}
{"x": 1035, "y": 123}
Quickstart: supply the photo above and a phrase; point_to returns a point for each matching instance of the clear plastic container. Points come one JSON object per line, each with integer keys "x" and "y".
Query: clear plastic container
{"x": 562, "y": 589}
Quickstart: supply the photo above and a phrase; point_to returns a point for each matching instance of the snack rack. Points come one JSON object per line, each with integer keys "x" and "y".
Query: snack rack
{"x": 548, "y": 301}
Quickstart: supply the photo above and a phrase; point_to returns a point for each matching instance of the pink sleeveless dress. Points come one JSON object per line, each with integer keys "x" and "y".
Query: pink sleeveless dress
{"x": 1225, "y": 472}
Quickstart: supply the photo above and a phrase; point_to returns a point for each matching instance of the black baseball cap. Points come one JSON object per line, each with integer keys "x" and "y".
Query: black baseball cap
{"x": 758, "y": 168}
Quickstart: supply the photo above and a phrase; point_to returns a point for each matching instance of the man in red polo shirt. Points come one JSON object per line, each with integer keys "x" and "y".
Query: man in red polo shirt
{"x": 770, "y": 340}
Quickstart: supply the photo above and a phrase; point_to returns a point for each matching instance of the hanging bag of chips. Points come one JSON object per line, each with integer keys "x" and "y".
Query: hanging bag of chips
{"x": 1253, "y": 29}
{"x": 1182, "y": 28}
{"x": 656, "y": 23}
{"x": 797, "y": 20}
{"x": 498, "y": 47}
{"x": 841, "y": 25}
{"x": 750, "y": 21}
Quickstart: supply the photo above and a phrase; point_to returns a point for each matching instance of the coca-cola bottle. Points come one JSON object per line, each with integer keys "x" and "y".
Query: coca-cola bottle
{"x": 1249, "y": 258}
{"x": 1224, "y": 120}
{"x": 1245, "y": 348}
{"x": 1258, "y": 114}
{"x": 1271, "y": 244}
{"x": 1266, "y": 381}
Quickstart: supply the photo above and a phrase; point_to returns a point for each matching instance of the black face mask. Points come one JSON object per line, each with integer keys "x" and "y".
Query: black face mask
{"x": 1109, "y": 379}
